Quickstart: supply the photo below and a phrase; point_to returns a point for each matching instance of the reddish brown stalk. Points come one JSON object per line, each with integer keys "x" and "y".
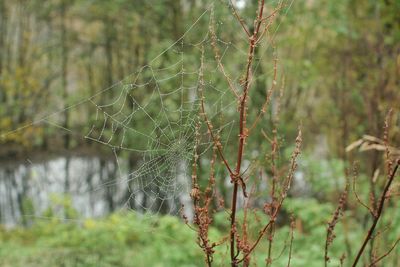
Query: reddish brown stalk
{"x": 286, "y": 187}
{"x": 214, "y": 138}
{"x": 330, "y": 235}
{"x": 378, "y": 214}
{"x": 271, "y": 20}
{"x": 243, "y": 131}
{"x": 202, "y": 202}
{"x": 267, "y": 98}
{"x": 239, "y": 244}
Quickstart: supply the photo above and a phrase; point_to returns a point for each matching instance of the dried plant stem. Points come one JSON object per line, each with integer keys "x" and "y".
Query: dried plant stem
{"x": 202, "y": 202}
{"x": 217, "y": 56}
{"x": 241, "y": 21}
{"x": 356, "y": 194}
{"x": 286, "y": 187}
{"x": 270, "y": 241}
{"x": 239, "y": 244}
{"x": 245, "y": 242}
{"x": 243, "y": 130}
{"x": 385, "y": 254}
{"x": 292, "y": 227}
{"x": 378, "y": 214}
{"x": 330, "y": 234}
{"x": 214, "y": 138}
{"x": 270, "y": 210}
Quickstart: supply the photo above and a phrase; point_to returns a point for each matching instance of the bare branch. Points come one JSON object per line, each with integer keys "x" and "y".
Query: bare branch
{"x": 241, "y": 21}
{"x": 356, "y": 194}
{"x": 386, "y": 253}
{"x": 378, "y": 214}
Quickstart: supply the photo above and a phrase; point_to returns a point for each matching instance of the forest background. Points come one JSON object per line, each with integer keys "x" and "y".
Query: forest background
{"x": 339, "y": 68}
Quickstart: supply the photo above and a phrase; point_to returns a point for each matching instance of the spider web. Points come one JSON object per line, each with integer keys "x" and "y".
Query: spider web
{"x": 155, "y": 114}
{"x": 152, "y": 116}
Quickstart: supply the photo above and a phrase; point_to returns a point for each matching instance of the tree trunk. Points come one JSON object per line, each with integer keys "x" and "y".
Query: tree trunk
{"x": 64, "y": 71}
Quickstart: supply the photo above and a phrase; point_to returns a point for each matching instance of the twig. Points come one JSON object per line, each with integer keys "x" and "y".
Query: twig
{"x": 356, "y": 194}
{"x": 385, "y": 254}
{"x": 286, "y": 187}
{"x": 377, "y": 215}
{"x": 217, "y": 56}
{"x": 243, "y": 130}
{"x": 292, "y": 227}
{"x": 217, "y": 143}
{"x": 241, "y": 21}
{"x": 330, "y": 235}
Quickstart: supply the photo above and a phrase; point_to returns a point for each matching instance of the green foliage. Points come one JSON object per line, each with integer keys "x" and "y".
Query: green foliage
{"x": 124, "y": 239}
{"x": 309, "y": 211}
{"x": 323, "y": 176}
{"x": 61, "y": 206}
{"x": 132, "y": 239}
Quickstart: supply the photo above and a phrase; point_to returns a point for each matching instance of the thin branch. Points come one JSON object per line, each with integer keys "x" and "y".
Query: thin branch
{"x": 386, "y": 253}
{"x": 356, "y": 194}
{"x": 286, "y": 187}
{"x": 292, "y": 227}
{"x": 241, "y": 21}
{"x": 268, "y": 25}
{"x": 267, "y": 98}
{"x": 288, "y": 240}
{"x": 378, "y": 214}
{"x": 330, "y": 235}
{"x": 217, "y": 143}
{"x": 243, "y": 131}
{"x": 217, "y": 56}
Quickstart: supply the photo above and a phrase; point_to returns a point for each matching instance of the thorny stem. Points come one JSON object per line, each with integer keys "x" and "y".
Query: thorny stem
{"x": 377, "y": 215}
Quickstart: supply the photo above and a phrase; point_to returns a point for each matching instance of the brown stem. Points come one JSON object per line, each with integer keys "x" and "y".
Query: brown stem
{"x": 215, "y": 140}
{"x": 233, "y": 220}
{"x": 270, "y": 241}
{"x": 286, "y": 187}
{"x": 377, "y": 215}
{"x": 243, "y": 133}
{"x": 239, "y": 19}
{"x": 386, "y": 253}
